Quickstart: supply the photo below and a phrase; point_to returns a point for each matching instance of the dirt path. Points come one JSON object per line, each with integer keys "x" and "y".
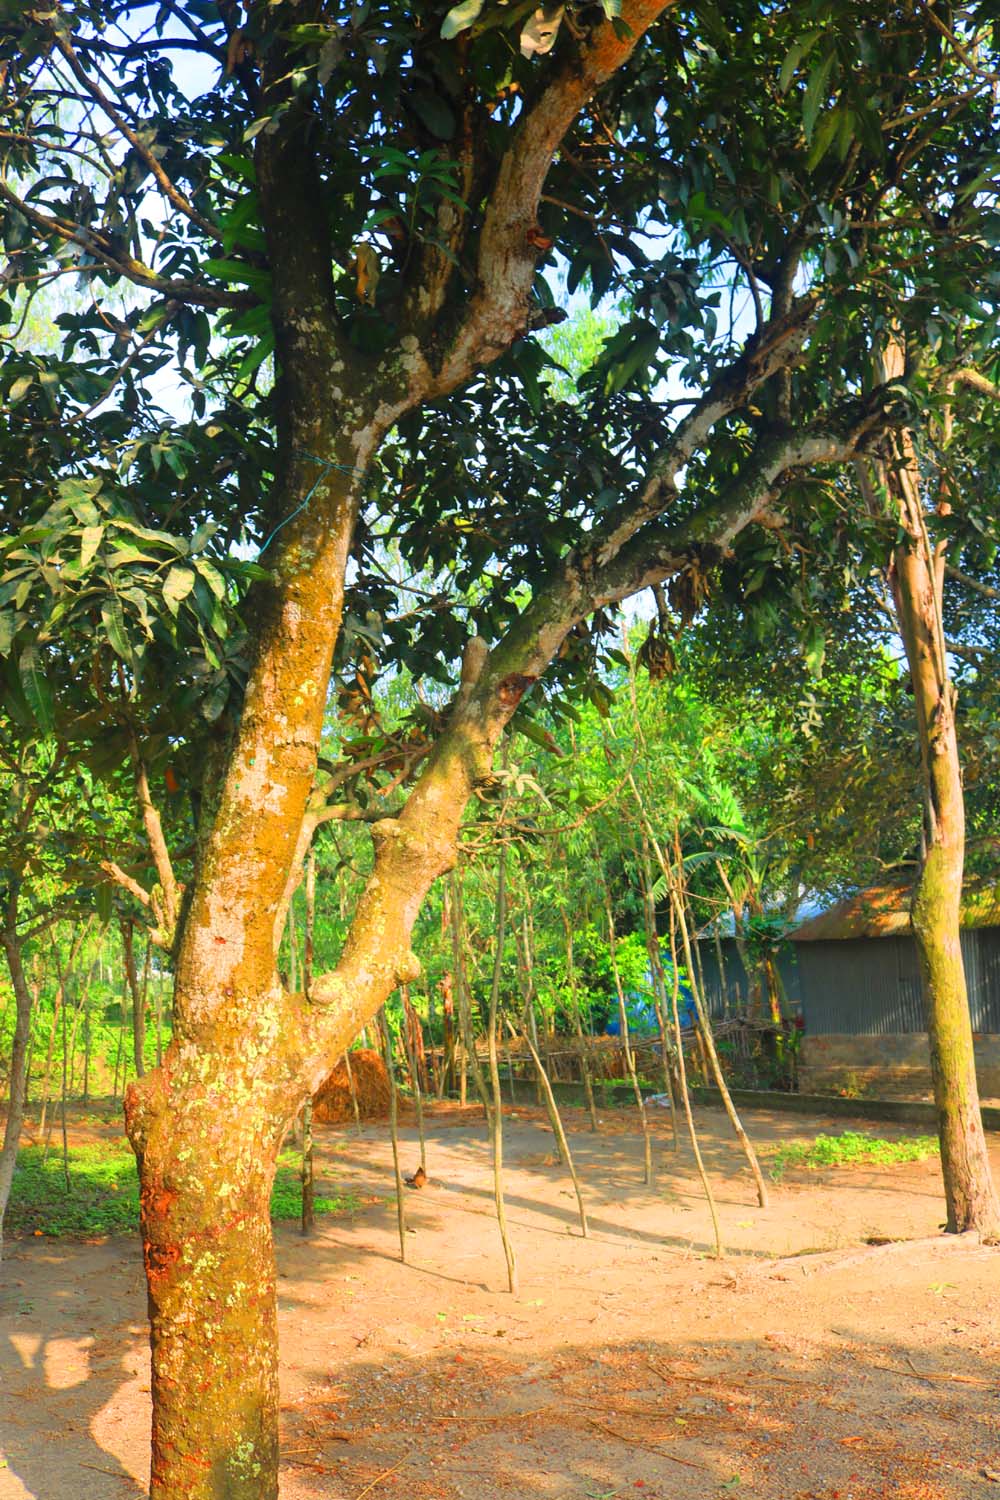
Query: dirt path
{"x": 806, "y": 1366}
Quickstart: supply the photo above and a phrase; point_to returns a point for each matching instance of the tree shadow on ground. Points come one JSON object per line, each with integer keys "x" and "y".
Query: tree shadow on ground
{"x": 665, "y": 1420}
{"x": 65, "y": 1353}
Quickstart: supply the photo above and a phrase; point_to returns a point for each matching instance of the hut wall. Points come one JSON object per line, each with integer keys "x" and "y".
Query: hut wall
{"x": 733, "y": 996}
{"x": 872, "y": 986}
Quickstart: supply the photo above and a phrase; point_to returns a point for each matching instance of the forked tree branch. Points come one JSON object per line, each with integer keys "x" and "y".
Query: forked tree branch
{"x": 412, "y": 850}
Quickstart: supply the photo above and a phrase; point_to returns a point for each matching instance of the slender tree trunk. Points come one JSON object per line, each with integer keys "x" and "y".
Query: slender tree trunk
{"x": 629, "y": 1058}
{"x": 555, "y": 1120}
{"x": 138, "y": 1009}
{"x": 675, "y": 886}
{"x": 659, "y": 979}
{"x": 354, "y": 1091}
{"x": 574, "y": 1000}
{"x": 496, "y": 1114}
{"x": 412, "y": 1030}
{"x": 394, "y": 1132}
{"x": 917, "y": 579}
{"x": 721, "y": 961}
{"x": 19, "y": 1051}
{"x": 62, "y": 1103}
{"x": 708, "y": 1039}
{"x": 306, "y": 1170}
{"x": 685, "y": 1095}
{"x": 470, "y": 1059}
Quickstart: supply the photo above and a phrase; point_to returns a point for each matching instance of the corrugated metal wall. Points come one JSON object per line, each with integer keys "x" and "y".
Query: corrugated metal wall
{"x": 872, "y": 987}
{"x": 732, "y": 997}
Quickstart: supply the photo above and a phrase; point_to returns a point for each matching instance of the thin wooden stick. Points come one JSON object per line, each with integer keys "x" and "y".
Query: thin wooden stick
{"x": 379, "y": 1477}
{"x": 557, "y": 1126}
{"x": 685, "y": 1096}
{"x": 411, "y": 1058}
{"x": 354, "y": 1092}
{"x": 496, "y": 1114}
{"x": 394, "y": 1132}
{"x": 629, "y": 1055}
{"x": 588, "y": 1085}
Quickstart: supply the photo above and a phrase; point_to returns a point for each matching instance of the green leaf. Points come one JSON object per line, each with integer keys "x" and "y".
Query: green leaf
{"x": 434, "y": 112}
{"x": 814, "y": 652}
{"x": 20, "y": 389}
{"x": 35, "y": 686}
{"x": 826, "y": 130}
{"x": 127, "y": 552}
{"x": 8, "y": 630}
{"x": 90, "y": 539}
{"x": 460, "y": 18}
{"x": 114, "y": 624}
{"x": 176, "y": 586}
{"x": 816, "y": 92}
{"x": 794, "y": 56}
{"x": 212, "y": 577}
{"x": 236, "y": 271}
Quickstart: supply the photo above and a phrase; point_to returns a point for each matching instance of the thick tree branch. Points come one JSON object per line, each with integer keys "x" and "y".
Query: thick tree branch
{"x": 774, "y": 350}
{"x": 508, "y": 252}
{"x": 412, "y": 850}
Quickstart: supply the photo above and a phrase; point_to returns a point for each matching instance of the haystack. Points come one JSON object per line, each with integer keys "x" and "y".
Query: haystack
{"x": 332, "y": 1100}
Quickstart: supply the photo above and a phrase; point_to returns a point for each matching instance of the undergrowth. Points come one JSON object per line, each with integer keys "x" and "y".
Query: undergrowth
{"x": 851, "y": 1149}
{"x": 102, "y": 1196}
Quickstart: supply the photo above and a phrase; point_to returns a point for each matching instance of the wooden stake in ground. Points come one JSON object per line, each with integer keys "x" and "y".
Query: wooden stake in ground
{"x": 470, "y": 1059}
{"x": 685, "y": 1096}
{"x": 411, "y": 1058}
{"x": 354, "y": 1091}
{"x": 708, "y": 1041}
{"x": 555, "y": 1120}
{"x": 588, "y": 1087}
{"x": 674, "y": 878}
{"x": 647, "y": 1144}
{"x": 496, "y": 1114}
{"x": 394, "y": 1131}
{"x": 660, "y": 1001}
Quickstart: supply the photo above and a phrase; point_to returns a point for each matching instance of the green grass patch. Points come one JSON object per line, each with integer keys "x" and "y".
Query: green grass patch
{"x": 851, "y": 1149}
{"x": 103, "y": 1192}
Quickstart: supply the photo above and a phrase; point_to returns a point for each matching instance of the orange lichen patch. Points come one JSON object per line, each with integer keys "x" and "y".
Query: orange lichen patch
{"x": 158, "y": 1201}
{"x": 513, "y": 688}
{"x": 332, "y": 1100}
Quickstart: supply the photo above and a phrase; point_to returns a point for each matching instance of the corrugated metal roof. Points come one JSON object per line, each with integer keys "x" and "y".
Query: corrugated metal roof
{"x": 884, "y": 911}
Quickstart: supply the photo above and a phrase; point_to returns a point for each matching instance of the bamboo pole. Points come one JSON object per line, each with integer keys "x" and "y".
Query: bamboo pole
{"x": 354, "y": 1092}
{"x": 588, "y": 1083}
{"x": 626, "y": 1044}
{"x": 685, "y": 1096}
{"x": 394, "y": 1132}
{"x": 411, "y": 1058}
{"x": 496, "y": 1119}
{"x": 557, "y": 1127}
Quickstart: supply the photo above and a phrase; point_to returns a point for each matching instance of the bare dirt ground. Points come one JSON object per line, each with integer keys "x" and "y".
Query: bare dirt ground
{"x": 807, "y": 1365}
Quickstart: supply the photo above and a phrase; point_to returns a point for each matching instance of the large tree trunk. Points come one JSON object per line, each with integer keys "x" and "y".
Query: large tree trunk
{"x": 917, "y": 577}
